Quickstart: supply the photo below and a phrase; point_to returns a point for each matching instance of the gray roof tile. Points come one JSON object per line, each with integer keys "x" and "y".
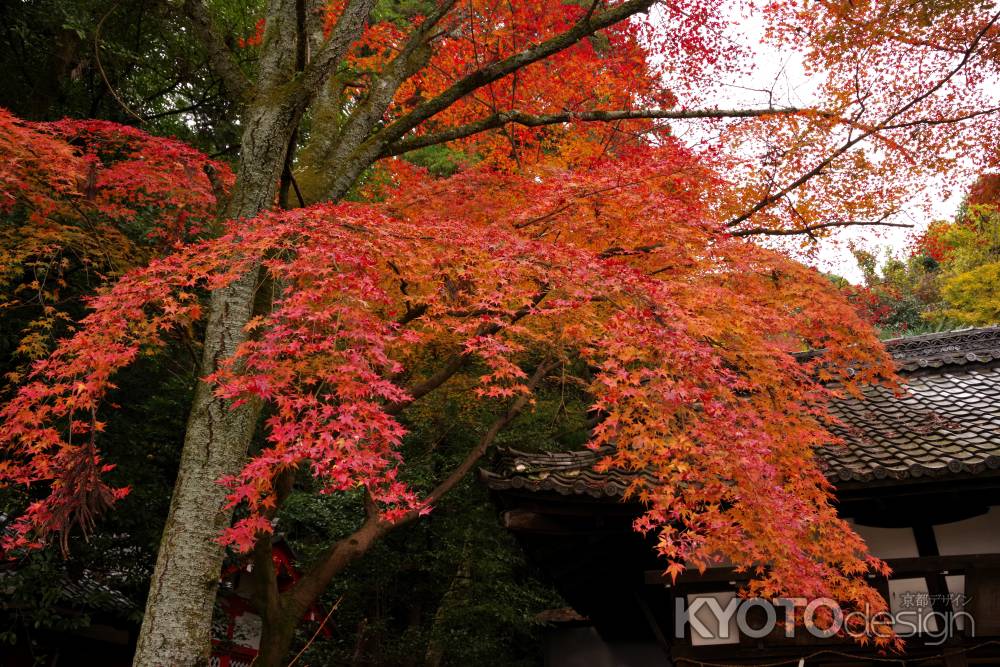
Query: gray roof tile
{"x": 947, "y": 423}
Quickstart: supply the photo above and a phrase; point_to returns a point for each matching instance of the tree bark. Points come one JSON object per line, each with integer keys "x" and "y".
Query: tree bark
{"x": 176, "y": 629}
{"x": 177, "y": 626}
{"x": 458, "y": 587}
{"x": 275, "y": 641}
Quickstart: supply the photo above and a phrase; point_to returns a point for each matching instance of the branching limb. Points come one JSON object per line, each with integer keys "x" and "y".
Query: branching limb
{"x": 370, "y": 111}
{"x": 373, "y": 147}
{"x": 458, "y": 359}
{"x": 889, "y": 122}
{"x": 345, "y": 551}
{"x": 328, "y": 56}
{"x": 588, "y": 25}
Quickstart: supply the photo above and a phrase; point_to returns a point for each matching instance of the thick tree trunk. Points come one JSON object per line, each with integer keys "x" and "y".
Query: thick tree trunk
{"x": 176, "y": 629}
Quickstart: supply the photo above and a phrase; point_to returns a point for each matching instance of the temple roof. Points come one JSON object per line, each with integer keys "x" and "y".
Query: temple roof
{"x": 948, "y": 424}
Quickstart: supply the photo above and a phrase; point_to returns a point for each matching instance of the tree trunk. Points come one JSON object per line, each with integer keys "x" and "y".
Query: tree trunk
{"x": 176, "y": 628}
{"x": 458, "y": 586}
{"x": 275, "y": 641}
{"x": 278, "y": 632}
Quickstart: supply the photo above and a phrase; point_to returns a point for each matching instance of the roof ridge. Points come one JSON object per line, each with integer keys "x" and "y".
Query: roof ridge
{"x": 956, "y": 347}
{"x": 935, "y": 335}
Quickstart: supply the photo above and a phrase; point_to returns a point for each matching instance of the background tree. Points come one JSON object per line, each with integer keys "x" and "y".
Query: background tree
{"x": 82, "y": 202}
{"x": 128, "y": 62}
{"x": 946, "y": 279}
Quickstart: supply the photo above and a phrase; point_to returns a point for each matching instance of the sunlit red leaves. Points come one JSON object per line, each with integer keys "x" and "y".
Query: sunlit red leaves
{"x": 100, "y": 173}
{"x": 257, "y": 38}
{"x": 132, "y": 175}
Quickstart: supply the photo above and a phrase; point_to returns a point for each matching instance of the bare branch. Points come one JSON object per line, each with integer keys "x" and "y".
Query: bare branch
{"x": 761, "y": 231}
{"x": 945, "y": 121}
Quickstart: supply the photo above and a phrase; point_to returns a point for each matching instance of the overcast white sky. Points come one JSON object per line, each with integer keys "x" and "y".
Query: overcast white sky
{"x": 783, "y": 72}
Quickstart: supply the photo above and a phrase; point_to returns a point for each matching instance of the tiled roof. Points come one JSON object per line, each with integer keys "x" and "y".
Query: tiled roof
{"x": 568, "y": 473}
{"x": 85, "y": 591}
{"x": 948, "y": 424}
{"x": 950, "y": 348}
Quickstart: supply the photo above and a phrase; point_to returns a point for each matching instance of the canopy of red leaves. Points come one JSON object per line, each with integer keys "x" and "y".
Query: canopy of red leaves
{"x": 689, "y": 332}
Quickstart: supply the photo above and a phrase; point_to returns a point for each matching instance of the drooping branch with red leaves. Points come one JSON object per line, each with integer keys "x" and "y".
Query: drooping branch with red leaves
{"x": 82, "y": 203}
{"x": 695, "y": 374}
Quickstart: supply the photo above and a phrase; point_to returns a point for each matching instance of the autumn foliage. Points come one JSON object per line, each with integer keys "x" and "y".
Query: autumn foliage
{"x": 85, "y": 201}
{"x": 579, "y": 242}
{"x": 694, "y": 377}
{"x": 622, "y": 67}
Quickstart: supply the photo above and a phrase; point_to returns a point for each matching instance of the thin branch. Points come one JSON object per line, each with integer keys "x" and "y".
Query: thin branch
{"x": 459, "y": 473}
{"x": 458, "y": 359}
{"x": 853, "y": 141}
{"x": 944, "y": 121}
{"x": 573, "y": 200}
{"x": 194, "y": 106}
{"x": 100, "y": 65}
{"x": 316, "y": 634}
{"x": 500, "y": 119}
{"x": 762, "y": 231}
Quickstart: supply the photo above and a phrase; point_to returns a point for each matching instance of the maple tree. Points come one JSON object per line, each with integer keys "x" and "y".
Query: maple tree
{"x": 670, "y": 367}
{"x": 586, "y": 240}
